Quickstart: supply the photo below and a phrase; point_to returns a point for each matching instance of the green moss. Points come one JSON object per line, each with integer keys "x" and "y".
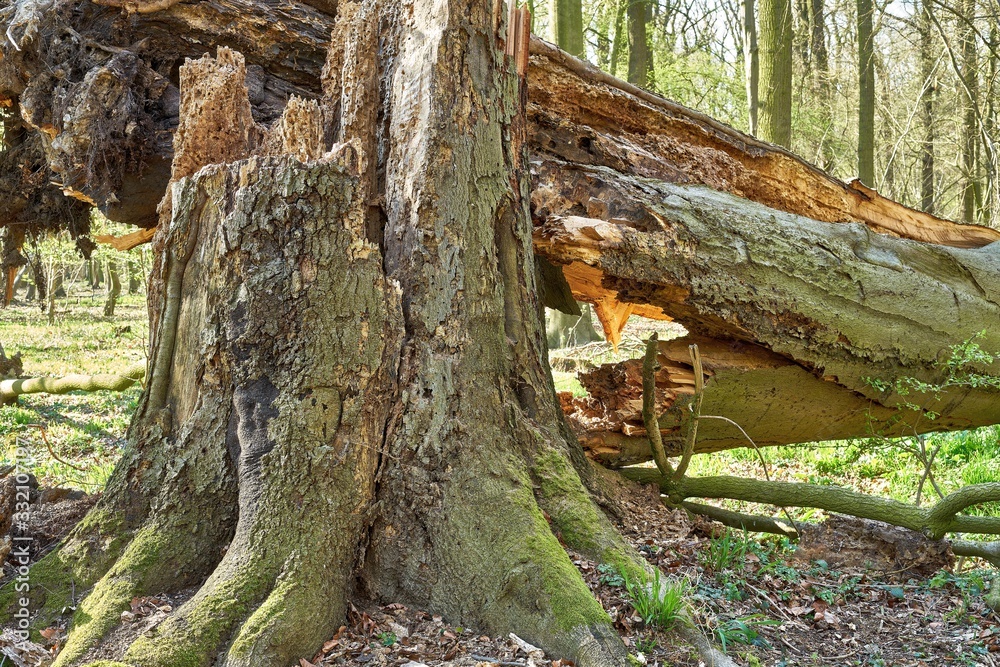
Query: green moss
{"x": 208, "y": 619}
{"x": 578, "y": 521}
{"x": 570, "y": 600}
{"x": 563, "y": 589}
{"x": 101, "y": 610}
{"x": 573, "y": 515}
{"x": 89, "y": 552}
{"x": 298, "y": 615}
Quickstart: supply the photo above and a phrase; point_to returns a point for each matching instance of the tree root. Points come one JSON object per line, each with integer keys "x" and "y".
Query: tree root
{"x": 935, "y": 522}
{"x": 11, "y": 389}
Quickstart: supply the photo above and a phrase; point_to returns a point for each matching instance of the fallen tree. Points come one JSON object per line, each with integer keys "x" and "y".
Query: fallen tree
{"x": 800, "y": 290}
{"x": 348, "y": 389}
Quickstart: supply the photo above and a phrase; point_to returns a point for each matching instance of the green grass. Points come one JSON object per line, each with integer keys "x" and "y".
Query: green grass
{"x": 661, "y": 603}
{"x": 85, "y": 430}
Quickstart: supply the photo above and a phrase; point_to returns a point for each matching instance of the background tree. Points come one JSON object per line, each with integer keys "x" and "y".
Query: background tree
{"x": 752, "y": 63}
{"x": 928, "y": 92}
{"x": 866, "y": 93}
{"x": 639, "y": 55}
{"x": 567, "y": 26}
{"x": 776, "y": 71}
{"x": 969, "y": 94}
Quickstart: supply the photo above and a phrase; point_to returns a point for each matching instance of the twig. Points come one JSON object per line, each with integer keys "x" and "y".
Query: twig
{"x": 649, "y": 368}
{"x": 45, "y": 439}
{"x": 695, "y": 406}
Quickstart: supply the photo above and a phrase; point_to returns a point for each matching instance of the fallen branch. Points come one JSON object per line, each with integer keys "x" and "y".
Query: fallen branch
{"x": 935, "y": 522}
{"x": 742, "y": 521}
{"x": 11, "y": 389}
{"x": 988, "y": 551}
{"x": 649, "y": 368}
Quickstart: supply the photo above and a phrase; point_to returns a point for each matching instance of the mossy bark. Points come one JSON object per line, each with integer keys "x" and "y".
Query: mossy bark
{"x": 348, "y": 389}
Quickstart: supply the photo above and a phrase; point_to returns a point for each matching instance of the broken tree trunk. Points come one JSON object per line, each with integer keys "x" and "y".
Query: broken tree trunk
{"x": 806, "y": 308}
{"x": 794, "y": 315}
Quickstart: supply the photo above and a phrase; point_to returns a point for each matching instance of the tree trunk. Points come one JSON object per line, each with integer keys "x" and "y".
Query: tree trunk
{"x": 567, "y": 26}
{"x": 114, "y": 289}
{"x": 969, "y": 94}
{"x": 620, "y": 40}
{"x": 565, "y": 330}
{"x": 821, "y": 81}
{"x": 783, "y": 365}
{"x": 638, "y": 44}
{"x": 134, "y": 269}
{"x": 348, "y": 392}
{"x": 866, "y": 93}
{"x": 776, "y": 71}
{"x": 929, "y": 92}
{"x": 752, "y": 63}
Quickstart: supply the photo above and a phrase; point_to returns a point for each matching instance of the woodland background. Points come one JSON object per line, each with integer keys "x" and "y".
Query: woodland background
{"x": 900, "y": 94}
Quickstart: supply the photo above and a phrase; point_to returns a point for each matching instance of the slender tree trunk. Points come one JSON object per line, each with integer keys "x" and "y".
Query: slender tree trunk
{"x": 821, "y": 79}
{"x": 620, "y": 39}
{"x": 751, "y": 63}
{"x": 638, "y": 44}
{"x": 114, "y": 289}
{"x": 992, "y": 158}
{"x": 134, "y": 277}
{"x": 567, "y": 26}
{"x": 866, "y": 93}
{"x": 929, "y": 77}
{"x": 775, "y": 115}
{"x": 971, "y": 195}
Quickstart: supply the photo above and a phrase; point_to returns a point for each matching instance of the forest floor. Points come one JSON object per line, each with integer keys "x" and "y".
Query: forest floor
{"x": 753, "y": 594}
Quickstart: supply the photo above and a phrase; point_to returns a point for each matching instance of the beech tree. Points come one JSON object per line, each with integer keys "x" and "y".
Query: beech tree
{"x": 775, "y": 76}
{"x": 866, "y": 93}
{"x": 348, "y": 390}
{"x": 348, "y": 394}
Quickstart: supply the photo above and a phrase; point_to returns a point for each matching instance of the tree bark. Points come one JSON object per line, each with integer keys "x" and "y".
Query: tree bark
{"x": 776, "y": 71}
{"x": 866, "y": 93}
{"x": 929, "y": 92}
{"x": 752, "y": 64}
{"x": 348, "y": 391}
{"x": 638, "y": 44}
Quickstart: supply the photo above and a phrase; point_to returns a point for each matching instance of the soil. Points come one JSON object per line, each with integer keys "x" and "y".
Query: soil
{"x": 773, "y": 607}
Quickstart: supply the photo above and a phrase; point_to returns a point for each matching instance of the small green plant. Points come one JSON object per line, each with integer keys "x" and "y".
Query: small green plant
{"x": 727, "y": 552}
{"x": 387, "y": 638}
{"x": 658, "y": 602}
{"x": 610, "y": 576}
{"x": 646, "y": 644}
{"x": 744, "y": 630}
